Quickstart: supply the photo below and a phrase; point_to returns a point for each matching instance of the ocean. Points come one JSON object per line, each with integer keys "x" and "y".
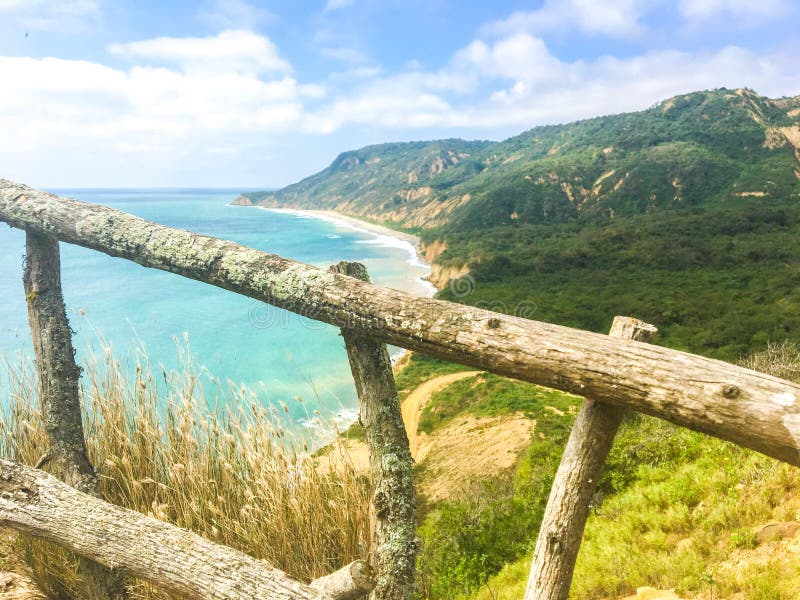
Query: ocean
{"x": 278, "y": 356}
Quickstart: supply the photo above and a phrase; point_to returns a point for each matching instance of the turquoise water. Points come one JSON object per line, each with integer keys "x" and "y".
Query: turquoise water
{"x": 277, "y": 355}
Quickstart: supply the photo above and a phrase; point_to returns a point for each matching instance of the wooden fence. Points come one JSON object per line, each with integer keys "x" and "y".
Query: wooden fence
{"x": 616, "y": 373}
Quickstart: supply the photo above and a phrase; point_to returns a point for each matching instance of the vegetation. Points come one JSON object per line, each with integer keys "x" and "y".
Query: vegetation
{"x": 419, "y": 369}
{"x": 467, "y": 539}
{"x": 716, "y": 281}
{"x": 683, "y": 515}
{"x": 377, "y": 175}
{"x": 691, "y": 150}
{"x": 237, "y": 476}
{"x": 685, "y": 215}
{"x": 490, "y": 395}
{"x": 675, "y": 509}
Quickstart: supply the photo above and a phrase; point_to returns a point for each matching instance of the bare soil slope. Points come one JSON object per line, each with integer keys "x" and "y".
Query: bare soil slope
{"x": 462, "y": 451}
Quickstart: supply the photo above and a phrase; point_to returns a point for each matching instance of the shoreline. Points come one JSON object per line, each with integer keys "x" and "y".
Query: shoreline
{"x": 407, "y": 240}
{"x": 360, "y": 224}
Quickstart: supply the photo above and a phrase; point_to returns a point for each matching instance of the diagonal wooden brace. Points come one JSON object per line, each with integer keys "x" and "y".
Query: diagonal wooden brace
{"x": 575, "y": 484}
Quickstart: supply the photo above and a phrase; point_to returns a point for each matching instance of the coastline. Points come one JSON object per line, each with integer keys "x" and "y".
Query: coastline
{"x": 386, "y": 236}
{"x": 410, "y": 242}
{"x": 366, "y": 225}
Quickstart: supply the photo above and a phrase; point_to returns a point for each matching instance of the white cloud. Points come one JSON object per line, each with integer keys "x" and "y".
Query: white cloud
{"x": 519, "y": 56}
{"x": 340, "y": 39}
{"x": 6, "y": 5}
{"x": 383, "y": 105}
{"x": 617, "y": 18}
{"x": 84, "y": 113}
{"x": 237, "y": 50}
{"x": 75, "y": 121}
{"x": 702, "y": 10}
{"x": 331, "y": 5}
{"x": 513, "y": 82}
{"x": 345, "y": 54}
{"x": 517, "y": 83}
{"x": 611, "y": 85}
{"x": 191, "y": 104}
{"x": 55, "y": 15}
{"x": 52, "y": 99}
{"x": 363, "y": 73}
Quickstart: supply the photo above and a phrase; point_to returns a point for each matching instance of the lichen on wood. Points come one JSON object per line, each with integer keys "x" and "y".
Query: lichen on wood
{"x": 391, "y": 465}
{"x": 59, "y": 393}
{"x": 172, "y": 558}
{"x": 351, "y": 582}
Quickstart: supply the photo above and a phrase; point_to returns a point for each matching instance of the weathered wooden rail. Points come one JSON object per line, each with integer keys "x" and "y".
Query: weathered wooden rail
{"x": 177, "y": 560}
{"x": 748, "y": 408}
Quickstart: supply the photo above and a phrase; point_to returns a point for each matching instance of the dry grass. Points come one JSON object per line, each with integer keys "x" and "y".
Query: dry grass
{"x": 235, "y": 475}
{"x": 779, "y": 359}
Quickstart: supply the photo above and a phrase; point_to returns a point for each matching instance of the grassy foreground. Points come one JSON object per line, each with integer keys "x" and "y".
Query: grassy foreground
{"x": 235, "y": 476}
{"x": 679, "y": 511}
{"x": 676, "y": 509}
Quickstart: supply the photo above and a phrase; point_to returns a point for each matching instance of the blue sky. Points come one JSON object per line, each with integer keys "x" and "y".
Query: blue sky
{"x": 228, "y": 93}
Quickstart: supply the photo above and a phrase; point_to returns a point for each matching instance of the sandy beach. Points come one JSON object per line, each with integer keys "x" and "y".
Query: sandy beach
{"x": 359, "y": 224}
{"x": 409, "y": 241}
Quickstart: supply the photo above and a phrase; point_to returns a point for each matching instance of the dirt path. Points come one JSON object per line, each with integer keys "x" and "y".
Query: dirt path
{"x": 416, "y": 401}
{"x": 357, "y": 452}
{"x": 468, "y": 450}
{"x": 465, "y": 450}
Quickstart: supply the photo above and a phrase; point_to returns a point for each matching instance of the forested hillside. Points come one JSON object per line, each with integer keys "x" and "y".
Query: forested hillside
{"x": 685, "y": 215}
{"x": 701, "y": 148}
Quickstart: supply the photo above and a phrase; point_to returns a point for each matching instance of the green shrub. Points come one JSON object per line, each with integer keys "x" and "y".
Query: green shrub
{"x": 743, "y": 538}
{"x": 467, "y": 540}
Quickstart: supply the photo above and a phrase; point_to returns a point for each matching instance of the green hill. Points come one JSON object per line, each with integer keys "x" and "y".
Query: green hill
{"x": 685, "y": 215}
{"x": 697, "y": 149}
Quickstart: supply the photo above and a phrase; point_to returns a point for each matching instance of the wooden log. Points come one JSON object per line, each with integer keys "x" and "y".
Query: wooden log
{"x": 59, "y": 394}
{"x": 575, "y": 484}
{"x": 351, "y": 582}
{"x": 736, "y": 404}
{"x": 172, "y": 558}
{"x": 395, "y": 542}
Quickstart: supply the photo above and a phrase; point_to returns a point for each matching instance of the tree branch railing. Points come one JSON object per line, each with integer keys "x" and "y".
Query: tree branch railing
{"x": 736, "y": 404}
{"x": 575, "y": 483}
{"x": 748, "y": 408}
{"x": 394, "y": 541}
{"x": 177, "y": 560}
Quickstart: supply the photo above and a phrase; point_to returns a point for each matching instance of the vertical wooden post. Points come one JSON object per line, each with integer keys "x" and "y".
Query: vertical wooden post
{"x": 394, "y": 544}
{"x": 59, "y": 386}
{"x": 575, "y": 483}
